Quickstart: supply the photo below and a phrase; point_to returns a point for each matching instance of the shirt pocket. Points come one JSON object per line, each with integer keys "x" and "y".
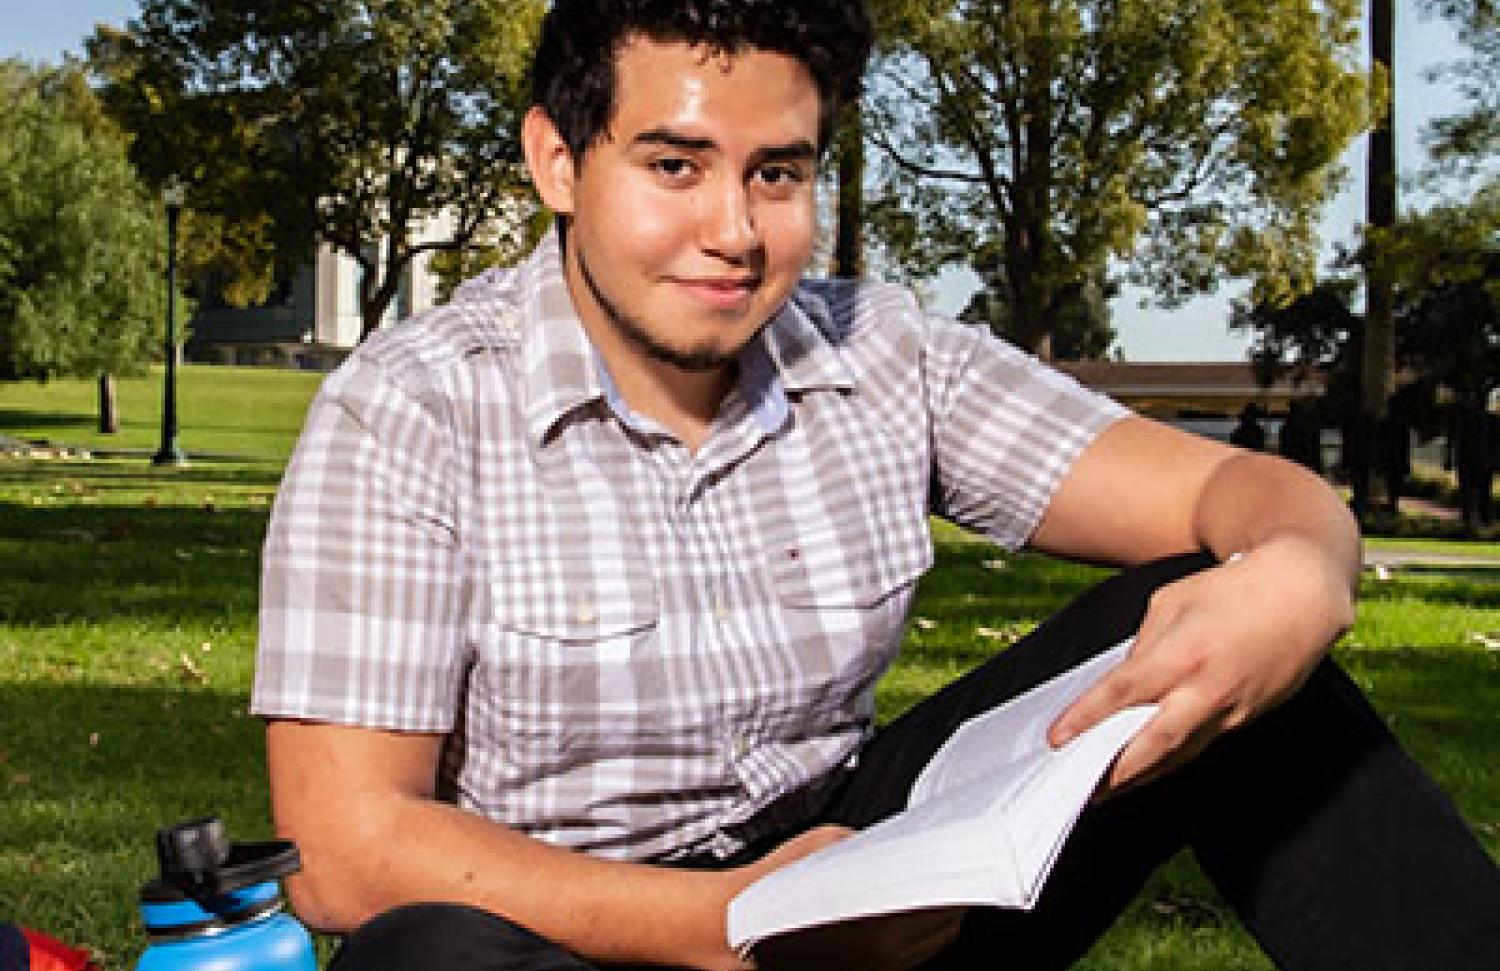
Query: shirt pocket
{"x": 569, "y": 665}
{"x": 844, "y": 585}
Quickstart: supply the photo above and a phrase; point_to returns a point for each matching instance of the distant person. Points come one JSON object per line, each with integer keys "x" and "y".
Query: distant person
{"x": 1249, "y": 434}
{"x": 1301, "y": 437}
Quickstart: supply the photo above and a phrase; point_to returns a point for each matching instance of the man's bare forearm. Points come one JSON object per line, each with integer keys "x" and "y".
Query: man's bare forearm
{"x": 1258, "y": 504}
{"x": 413, "y": 849}
{"x": 359, "y": 804}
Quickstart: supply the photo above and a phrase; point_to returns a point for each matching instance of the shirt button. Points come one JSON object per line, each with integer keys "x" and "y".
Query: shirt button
{"x": 721, "y": 610}
{"x": 584, "y": 613}
{"x": 741, "y": 745}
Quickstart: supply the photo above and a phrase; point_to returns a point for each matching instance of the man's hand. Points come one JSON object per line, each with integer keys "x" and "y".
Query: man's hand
{"x": 1215, "y": 650}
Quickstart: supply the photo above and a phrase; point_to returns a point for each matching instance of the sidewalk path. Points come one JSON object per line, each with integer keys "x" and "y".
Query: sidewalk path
{"x": 1379, "y": 557}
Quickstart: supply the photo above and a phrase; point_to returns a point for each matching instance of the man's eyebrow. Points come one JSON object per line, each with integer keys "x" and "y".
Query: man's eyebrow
{"x": 801, "y": 150}
{"x": 672, "y": 139}
{"x": 797, "y": 151}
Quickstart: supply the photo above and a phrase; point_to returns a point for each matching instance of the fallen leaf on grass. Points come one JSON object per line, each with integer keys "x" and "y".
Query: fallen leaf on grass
{"x": 94, "y": 739}
{"x": 189, "y": 670}
{"x": 182, "y": 555}
{"x": 1489, "y": 642}
{"x": 994, "y": 564}
{"x": 924, "y": 623}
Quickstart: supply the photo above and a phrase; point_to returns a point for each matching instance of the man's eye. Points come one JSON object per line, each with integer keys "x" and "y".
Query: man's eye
{"x": 673, "y": 168}
{"x": 781, "y": 176}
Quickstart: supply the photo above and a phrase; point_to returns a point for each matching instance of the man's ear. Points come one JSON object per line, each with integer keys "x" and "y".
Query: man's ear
{"x": 550, "y": 161}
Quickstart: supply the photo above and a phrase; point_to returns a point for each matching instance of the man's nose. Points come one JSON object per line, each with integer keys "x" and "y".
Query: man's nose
{"x": 729, "y": 227}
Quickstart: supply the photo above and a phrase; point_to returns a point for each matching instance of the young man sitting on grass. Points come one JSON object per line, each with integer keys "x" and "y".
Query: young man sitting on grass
{"x": 577, "y": 589}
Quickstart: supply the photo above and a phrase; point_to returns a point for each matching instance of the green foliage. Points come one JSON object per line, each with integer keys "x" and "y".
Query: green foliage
{"x": 1465, "y": 140}
{"x": 1307, "y": 334}
{"x": 81, "y": 243}
{"x": 523, "y": 230}
{"x": 1187, "y": 140}
{"x": 386, "y": 128}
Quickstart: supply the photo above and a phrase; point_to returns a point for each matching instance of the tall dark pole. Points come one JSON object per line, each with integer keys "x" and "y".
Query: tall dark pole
{"x": 1378, "y": 346}
{"x": 170, "y": 452}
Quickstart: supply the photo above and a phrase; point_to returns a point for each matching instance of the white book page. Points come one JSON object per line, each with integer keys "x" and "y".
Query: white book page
{"x": 996, "y": 805}
{"x": 1014, "y": 731}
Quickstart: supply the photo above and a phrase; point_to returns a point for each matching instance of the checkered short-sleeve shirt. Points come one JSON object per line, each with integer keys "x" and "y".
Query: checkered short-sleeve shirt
{"x": 635, "y": 650}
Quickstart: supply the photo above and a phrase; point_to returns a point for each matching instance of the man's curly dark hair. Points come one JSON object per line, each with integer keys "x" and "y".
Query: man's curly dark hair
{"x": 573, "y": 74}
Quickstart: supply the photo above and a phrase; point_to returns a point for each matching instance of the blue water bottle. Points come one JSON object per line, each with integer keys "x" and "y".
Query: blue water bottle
{"x": 217, "y": 906}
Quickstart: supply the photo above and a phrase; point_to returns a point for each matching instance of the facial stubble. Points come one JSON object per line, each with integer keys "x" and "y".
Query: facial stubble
{"x": 696, "y": 361}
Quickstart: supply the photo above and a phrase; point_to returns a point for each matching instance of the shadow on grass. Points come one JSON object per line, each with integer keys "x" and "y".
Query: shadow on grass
{"x": 145, "y": 476}
{"x": 102, "y": 562}
{"x": 14, "y": 418}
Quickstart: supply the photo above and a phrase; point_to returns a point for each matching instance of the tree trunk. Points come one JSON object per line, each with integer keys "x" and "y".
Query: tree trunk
{"x": 1378, "y": 349}
{"x": 109, "y": 415}
{"x": 849, "y": 242}
{"x": 375, "y": 299}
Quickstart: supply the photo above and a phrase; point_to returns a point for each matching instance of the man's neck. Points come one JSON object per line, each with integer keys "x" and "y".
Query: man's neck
{"x": 686, "y": 403}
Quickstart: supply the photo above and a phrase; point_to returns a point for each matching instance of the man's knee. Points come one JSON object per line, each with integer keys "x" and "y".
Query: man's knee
{"x": 416, "y": 937}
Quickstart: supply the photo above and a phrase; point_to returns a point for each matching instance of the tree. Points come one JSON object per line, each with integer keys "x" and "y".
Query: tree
{"x": 1448, "y": 263}
{"x": 386, "y": 128}
{"x": 1186, "y": 140}
{"x": 1302, "y": 337}
{"x": 81, "y": 242}
{"x": 1081, "y": 327}
{"x": 1468, "y": 138}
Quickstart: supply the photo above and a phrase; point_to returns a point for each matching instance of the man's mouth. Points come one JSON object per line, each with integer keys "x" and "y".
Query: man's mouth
{"x": 720, "y": 292}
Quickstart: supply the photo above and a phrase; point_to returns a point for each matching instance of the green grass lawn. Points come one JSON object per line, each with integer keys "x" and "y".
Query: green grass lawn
{"x": 127, "y": 622}
{"x": 249, "y": 412}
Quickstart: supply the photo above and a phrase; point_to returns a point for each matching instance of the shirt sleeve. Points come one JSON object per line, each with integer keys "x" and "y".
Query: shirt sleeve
{"x": 363, "y": 587}
{"x": 1005, "y": 430}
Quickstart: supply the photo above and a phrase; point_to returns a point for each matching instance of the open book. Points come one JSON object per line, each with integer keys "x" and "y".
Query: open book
{"x": 983, "y": 825}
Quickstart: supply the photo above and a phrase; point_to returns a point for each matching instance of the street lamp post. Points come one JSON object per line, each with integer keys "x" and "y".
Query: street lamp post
{"x": 173, "y": 194}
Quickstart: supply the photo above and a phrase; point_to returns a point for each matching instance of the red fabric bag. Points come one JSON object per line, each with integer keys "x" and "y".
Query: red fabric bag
{"x": 23, "y": 949}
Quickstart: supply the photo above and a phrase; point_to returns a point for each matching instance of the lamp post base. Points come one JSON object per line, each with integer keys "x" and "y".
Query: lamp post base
{"x": 170, "y": 454}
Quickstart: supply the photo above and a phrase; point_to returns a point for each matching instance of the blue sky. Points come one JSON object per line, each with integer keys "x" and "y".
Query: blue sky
{"x": 45, "y": 31}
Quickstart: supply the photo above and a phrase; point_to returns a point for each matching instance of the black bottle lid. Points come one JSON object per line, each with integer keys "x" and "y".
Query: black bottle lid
{"x": 197, "y": 860}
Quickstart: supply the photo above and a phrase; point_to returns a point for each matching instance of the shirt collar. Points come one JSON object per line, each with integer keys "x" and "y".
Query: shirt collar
{"x": 558, "y": 363}
{"x": 800, "y": 342}
{"x": 562, "y": 371}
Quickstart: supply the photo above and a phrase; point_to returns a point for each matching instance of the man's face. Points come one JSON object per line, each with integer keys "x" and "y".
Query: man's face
{"x": 693, "y": 217}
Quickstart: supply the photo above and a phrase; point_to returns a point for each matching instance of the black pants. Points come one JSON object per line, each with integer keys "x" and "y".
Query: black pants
{"x": 1333, "y": 846}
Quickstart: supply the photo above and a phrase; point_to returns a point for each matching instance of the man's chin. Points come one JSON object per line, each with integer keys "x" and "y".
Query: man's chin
{"x": 700, "y": 361}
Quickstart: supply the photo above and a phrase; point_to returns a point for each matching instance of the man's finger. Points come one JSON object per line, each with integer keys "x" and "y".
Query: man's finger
{"x": 1173, "y": 737}
{"x": 1138, "y": 680}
